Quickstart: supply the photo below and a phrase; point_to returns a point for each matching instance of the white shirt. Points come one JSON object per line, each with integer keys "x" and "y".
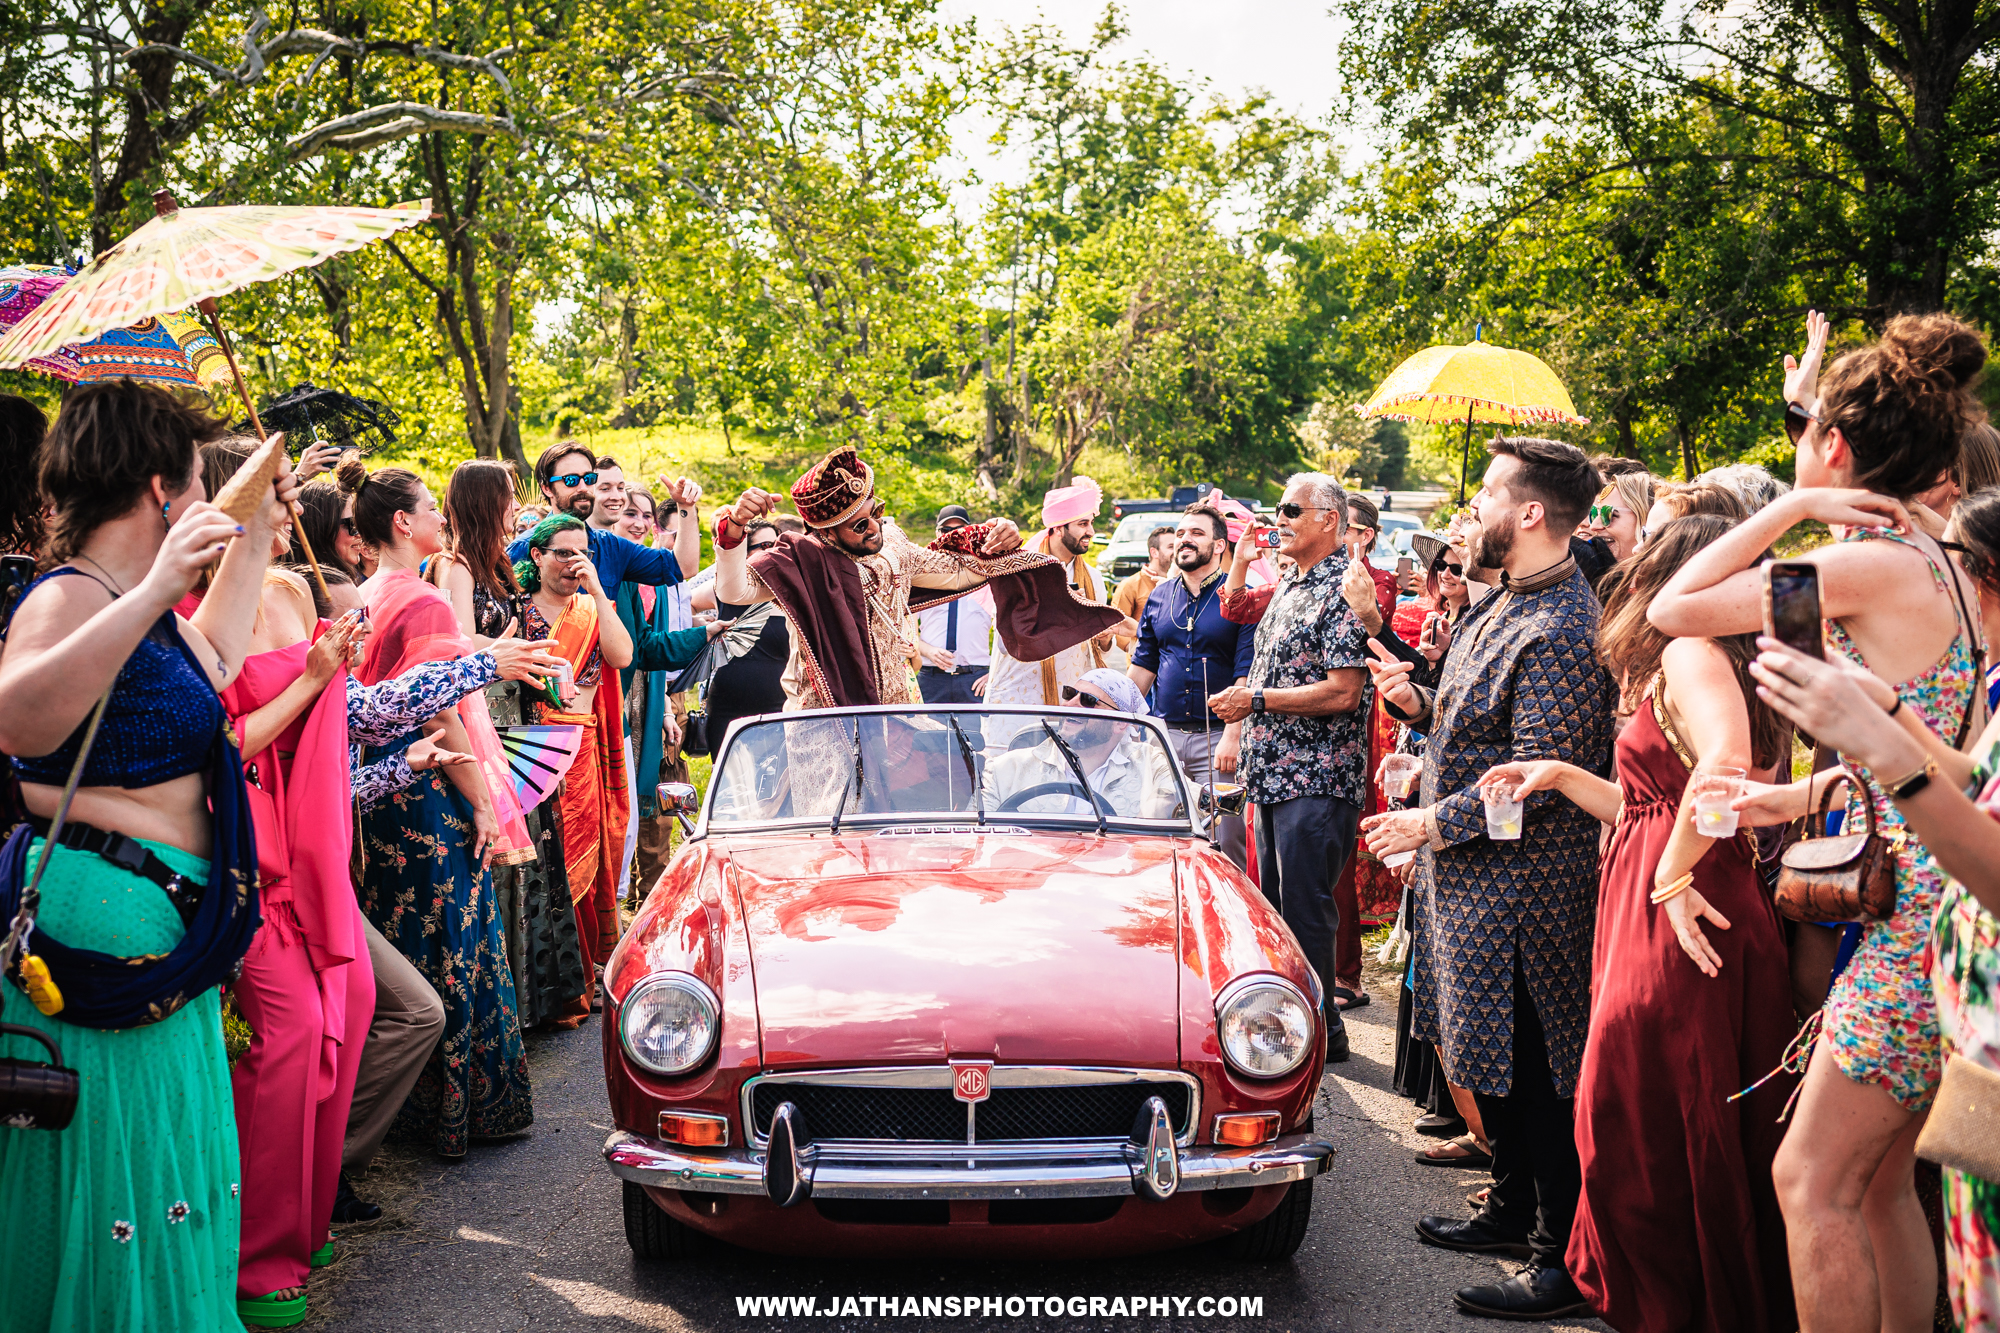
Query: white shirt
{"x": 975, "y": 628}
{"x": 1136, "y": 779}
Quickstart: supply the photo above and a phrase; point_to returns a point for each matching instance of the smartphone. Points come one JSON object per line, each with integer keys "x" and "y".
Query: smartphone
{"x": 1791, "y": 607}
{"x": 1268, "y": 538}
{"x": 1429, "y": 637}
{"x": 1405, "y": 566}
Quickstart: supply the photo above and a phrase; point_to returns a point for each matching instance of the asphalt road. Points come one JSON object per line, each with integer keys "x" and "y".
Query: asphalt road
{"x": 528, "y": 1235}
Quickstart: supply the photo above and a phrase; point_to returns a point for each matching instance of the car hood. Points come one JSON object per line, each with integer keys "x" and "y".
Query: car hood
{"x": 913, "y": 948}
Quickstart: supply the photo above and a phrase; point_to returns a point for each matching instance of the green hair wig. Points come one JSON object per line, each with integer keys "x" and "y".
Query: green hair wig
{"x": 527, "y": 571}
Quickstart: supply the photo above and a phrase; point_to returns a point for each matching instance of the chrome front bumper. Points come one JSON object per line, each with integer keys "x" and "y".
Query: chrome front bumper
{"x": 1043, "y": 1169}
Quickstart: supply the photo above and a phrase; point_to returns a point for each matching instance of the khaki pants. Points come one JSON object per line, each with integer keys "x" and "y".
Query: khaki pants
{"x": 409, "y": 1019}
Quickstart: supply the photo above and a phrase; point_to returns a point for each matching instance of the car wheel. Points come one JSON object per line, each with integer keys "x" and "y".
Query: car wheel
{"x": 1278, "y": 1237}
{"x": 652, "y": 1234}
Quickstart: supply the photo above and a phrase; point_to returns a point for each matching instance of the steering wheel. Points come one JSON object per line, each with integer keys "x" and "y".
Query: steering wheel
{"x": 1014, "y": 803}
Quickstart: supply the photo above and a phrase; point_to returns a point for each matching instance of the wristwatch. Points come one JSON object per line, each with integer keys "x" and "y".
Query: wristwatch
{"x": 1256, "y": 701}
{"x": 1911, "y": 785}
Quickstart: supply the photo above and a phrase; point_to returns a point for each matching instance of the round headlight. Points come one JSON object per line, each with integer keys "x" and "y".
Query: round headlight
{"x": 1265, "y": 1027}
{"x": 669, "y": 1023}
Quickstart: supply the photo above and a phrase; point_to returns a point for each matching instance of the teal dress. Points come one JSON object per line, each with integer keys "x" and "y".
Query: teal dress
{"x": 128, "y": 1219}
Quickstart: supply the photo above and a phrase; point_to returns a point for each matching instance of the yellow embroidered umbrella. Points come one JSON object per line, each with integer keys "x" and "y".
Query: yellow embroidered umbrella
{"x": 188, "y": 257}
{"x": 1475, "y": 382}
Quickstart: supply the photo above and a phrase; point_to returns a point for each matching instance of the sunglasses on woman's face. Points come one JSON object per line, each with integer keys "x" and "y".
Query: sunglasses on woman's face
{"x": 861, "y": 525}
{"x": 575, "y": 479}
{"x": 1071, "y": 694}
{"x": 1798, "y": 420}
{"x": 347, "y": 526}
{"x": 1601, "y": 515}
{"x": 761, "y": 546}
{"x": 1441, "y": 567}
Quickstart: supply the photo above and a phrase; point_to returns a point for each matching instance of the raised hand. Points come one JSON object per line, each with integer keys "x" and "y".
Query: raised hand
{"x": 315, "y": 460}
{"x": 1392, "y": 679}
{"x": 752, "y": 505}
{"x": 1802, "y": 373}
{"x": 683, "y": 491}
{"x": 1847, "y": 508}
{"x": 1002, "y": 537}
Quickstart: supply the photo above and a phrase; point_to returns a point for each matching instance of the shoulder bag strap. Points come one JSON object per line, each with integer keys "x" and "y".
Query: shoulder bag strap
{"x": 31, "y": 895}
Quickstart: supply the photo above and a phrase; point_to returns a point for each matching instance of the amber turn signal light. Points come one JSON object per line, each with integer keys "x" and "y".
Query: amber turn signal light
{"x": 1246, "y": 1131}
{"x": 693, "y": 1129}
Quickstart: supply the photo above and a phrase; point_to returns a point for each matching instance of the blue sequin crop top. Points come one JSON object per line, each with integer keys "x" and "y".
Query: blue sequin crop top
{"x": 161, "y": 723}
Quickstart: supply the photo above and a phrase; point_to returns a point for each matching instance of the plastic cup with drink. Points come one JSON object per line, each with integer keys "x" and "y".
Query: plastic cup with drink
{"x": 1503, "y": 810}
{"x": 1399, "y": 777}
{"x": 1714, "y": 789}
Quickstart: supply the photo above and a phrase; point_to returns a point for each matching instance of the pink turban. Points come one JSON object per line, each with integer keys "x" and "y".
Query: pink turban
{"x": 1235, "y": 515}
{"x": 1067, "y": 504}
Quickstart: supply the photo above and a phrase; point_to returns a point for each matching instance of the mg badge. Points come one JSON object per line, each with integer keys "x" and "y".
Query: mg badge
{"x": 971, "y": 1082}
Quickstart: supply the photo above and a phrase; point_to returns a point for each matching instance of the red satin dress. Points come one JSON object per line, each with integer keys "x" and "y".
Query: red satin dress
{"x": 1678, "y": 1226}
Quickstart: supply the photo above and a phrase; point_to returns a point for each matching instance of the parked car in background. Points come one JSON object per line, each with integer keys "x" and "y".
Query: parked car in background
{"x": 906, "y": 991}
{"x": 1182, "y": 497}
{"x": 1125, "y": 554}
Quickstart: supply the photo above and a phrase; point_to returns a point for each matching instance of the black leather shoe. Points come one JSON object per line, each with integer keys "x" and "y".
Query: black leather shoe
{"x": 348, "y": 1208}
{"x": 1336, "y": 1047}
{"x": 1532, "y": 1293}
{"x": 1472, "y": 1236}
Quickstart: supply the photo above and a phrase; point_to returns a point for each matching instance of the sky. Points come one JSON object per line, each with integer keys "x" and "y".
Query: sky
{"x": 1287, "y": 48}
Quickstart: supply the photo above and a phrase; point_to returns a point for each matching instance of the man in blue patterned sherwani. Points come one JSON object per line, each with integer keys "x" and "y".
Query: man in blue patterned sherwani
{"x": 1504, "y": 928}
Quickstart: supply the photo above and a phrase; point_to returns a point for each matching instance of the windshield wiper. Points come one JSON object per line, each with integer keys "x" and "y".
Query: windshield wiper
{"x": 1076, "y": 767}
{"x": 855, "y": 777}
{"x": 971, "y": 769}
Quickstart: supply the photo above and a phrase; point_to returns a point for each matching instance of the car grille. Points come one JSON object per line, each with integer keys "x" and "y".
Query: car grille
{"x": 1077, "y": 1111}
{"x": 1124, "y": 567}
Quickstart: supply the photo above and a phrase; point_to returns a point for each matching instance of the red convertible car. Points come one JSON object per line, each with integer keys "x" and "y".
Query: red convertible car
{"x": 960, "y": 981}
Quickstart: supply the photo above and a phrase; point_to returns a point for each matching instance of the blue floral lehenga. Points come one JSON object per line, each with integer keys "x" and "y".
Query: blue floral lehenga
{"x": 429, "y": 898}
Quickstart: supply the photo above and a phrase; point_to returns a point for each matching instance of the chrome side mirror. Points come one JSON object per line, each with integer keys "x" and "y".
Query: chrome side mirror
{"x": 679, "y": 799}
{"x": 1226, "y": 799}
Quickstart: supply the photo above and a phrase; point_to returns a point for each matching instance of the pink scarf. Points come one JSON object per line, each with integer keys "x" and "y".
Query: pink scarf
{"x": 302, "y": 818}
{"x": 412, "y": 622}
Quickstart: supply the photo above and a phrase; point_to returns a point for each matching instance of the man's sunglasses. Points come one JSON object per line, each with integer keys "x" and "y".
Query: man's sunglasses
{"x": 1071, "y": 694}
{"x": 874, "y": 515}
{"x": 1798, "y": 420}
{"x": 1296, "y": 511}
{"x": 574, "y": 479}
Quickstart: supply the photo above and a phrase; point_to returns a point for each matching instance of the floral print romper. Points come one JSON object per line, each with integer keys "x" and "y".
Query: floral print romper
{"x": 1880, "y": 1015}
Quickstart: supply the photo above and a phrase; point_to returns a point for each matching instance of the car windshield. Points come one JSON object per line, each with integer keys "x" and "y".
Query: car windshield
{"x": 1136, "y": 527}
{"x": 871, "y": 766}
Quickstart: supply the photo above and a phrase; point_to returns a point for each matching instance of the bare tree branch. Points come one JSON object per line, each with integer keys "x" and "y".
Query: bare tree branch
{"x": 403, "y": 120}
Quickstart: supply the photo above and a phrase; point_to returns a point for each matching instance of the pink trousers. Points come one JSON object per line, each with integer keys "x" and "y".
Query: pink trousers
{"x": 293, "y": 1087}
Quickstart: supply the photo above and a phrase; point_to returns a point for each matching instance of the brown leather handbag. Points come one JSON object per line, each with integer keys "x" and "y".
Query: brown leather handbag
{"x": 1826, "y": 880}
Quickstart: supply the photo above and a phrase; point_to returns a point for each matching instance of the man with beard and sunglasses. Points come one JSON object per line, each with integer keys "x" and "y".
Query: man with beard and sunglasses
{"x": 1127, "y": 770}
{"x": 1501, "y": 972}
{"x": 568, "y": 475}
{"x": 848, "y": 584}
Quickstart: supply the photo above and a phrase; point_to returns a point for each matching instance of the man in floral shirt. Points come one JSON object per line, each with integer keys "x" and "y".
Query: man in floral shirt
{"x": 1305, "y": 741}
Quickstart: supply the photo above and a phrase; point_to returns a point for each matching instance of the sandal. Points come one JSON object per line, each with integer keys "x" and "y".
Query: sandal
{"x": 270, "y": 1312}
{"x": 1469, "y": 1157}
{"x": 1477, "y": 1199}
{"x": 1350, "y": 999}
{"x": 321, "y": 1257}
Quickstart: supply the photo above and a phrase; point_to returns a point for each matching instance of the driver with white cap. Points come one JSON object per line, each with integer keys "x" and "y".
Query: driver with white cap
{"x": 1125, "y": 765}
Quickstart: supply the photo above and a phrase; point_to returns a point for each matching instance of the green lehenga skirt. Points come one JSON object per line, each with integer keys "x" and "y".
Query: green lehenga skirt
{"x": 129, "y": 1218}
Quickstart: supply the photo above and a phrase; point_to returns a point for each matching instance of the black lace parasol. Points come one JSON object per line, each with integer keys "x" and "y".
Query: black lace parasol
{"x": 312, "y": 415}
